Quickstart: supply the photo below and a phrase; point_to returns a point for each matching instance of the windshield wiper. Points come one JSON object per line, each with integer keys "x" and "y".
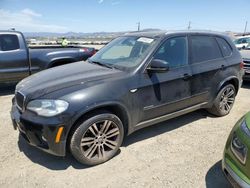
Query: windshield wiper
{"x": 102, "y": 64}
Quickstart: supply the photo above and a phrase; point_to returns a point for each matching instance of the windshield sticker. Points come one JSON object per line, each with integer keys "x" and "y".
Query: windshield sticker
{"x": 145, "y": 40}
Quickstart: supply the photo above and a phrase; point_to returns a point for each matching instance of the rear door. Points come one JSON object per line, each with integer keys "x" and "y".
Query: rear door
{"x": 14, "y": 64}
{"x": 206, "y": 63}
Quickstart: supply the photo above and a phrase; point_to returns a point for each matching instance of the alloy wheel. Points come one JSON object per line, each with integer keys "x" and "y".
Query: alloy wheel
{"x": 227, "y": 99}
{"x": 100, "y": 139}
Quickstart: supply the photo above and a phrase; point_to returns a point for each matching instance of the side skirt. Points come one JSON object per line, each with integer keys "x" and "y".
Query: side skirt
{"x": 169, "y": 116}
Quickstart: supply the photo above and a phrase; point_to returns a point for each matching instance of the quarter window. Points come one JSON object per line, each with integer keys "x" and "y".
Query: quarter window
{"x": 204, "y": 48}
{"x": 225, "y": 47}
{"x": 173, "y": 51}
{"x": 8, "y": 42}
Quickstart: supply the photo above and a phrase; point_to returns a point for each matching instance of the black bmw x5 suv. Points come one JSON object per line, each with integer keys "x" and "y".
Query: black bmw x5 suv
{"x": 137, "y": 80}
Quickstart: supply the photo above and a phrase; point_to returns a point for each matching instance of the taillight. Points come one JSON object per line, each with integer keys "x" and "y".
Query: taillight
{"x": 85, "y": 49}
{"x": 93, "y": 52}
{"x": 88, "y": 50}
{"x": 242, "y": 65}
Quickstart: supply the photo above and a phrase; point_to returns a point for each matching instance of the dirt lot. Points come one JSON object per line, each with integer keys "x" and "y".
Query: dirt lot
{"x": 183, "y": 152}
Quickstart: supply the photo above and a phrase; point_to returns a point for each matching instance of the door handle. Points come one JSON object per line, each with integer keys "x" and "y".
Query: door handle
{"x": 223, "y": 67}
{"x": 186, "y": 76}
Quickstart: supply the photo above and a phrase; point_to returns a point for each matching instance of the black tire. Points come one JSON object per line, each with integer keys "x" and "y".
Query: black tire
{"x": 86, "y": 136}
{"x": 224, "y": 101}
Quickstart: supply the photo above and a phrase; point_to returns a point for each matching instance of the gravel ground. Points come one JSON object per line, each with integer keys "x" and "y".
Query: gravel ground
{"x": 183, "y": 152}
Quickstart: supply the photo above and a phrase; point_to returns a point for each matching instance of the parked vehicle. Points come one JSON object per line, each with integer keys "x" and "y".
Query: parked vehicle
{"x": 137, "y": 80}
{"x": 17, "y": 61}
{"x": 246, "y": 59}
{"x": 236, "y": 158}
{"x": 242, "y": 42}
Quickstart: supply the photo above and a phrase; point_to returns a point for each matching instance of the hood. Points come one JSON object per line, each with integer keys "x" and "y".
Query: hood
{"x": 62, "y": 77}
{"x": 245, "y": 54}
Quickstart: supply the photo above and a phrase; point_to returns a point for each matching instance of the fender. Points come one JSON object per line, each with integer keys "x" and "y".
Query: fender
{"x": 60, "y": 59}
{"x": 100, "y": 105}
{"x": 226, "y": 80}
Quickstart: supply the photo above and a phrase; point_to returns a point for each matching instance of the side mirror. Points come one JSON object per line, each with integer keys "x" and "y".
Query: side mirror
{"x": 158, "y": 66}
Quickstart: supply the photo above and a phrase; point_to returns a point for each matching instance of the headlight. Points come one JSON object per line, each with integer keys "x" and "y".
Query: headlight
{"x": 47, "y": 108}
{"x": 239, "y": 149}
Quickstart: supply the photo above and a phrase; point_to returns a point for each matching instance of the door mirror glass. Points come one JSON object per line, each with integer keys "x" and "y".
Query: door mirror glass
{"x": 158, "y": 66}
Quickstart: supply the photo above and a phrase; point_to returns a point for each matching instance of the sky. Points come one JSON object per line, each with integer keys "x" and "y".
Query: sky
{"x": 123, "y": 15}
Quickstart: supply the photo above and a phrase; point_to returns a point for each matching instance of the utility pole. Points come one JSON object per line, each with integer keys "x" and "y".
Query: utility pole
{"x": 138, "y": 26}
{"x": 189, "y": 25}
{"x": 245, "y": 28}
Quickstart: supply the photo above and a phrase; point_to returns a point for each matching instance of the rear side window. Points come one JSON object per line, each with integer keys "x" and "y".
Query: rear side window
{"x": 204, "y": 48}
{"x": 225, "y": 47}
{"x": 9, "y": 42}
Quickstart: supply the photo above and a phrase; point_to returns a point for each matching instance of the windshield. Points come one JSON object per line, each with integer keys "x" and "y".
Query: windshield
{"x": 124, "y": 52}
{"x": 236, "y": 41}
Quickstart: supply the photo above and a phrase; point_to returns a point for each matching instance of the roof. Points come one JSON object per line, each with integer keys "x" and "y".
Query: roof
{"x": 9, "y": 31}
{"x": 162, "y": 33}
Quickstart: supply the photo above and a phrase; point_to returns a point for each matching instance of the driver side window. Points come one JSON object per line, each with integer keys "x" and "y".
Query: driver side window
{"x": 173, "y": 51}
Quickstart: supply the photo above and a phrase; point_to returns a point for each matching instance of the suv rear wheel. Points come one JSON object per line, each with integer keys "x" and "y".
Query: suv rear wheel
{"x": 224, "y": 101}
{"x": 97, "y": 139}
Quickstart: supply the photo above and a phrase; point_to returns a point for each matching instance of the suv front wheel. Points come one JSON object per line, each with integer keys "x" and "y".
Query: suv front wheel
{"x": 97, "y": 139}
{"x": 224, "y": 101}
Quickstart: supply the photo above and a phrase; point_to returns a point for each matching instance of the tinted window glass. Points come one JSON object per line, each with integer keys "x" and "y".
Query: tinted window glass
{"x": 173, "y": 51}
{"x": 8, "y": 42}
{"x": 225, "y": 47}
{"x": 204, "y": 48}
{"x": 237, "y": 41}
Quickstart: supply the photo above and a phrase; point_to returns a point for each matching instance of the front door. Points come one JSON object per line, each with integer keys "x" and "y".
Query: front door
{"x": 167, "y": 92}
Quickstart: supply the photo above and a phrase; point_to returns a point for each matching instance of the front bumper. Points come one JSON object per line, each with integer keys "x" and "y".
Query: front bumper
{"x": 232, "y": 176}
{"x": 39, "y": 131}
{"x": 235, "y": 163}
{"x": 246, "y": 76}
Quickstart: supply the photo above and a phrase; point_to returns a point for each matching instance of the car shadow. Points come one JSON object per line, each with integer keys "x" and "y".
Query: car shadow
{"x": 44, "y": 159}
{"x": 215, "y": 177}
{"x": 165, "y": 126}
{"x": 61, "y": 163}
{"x": 7, "y": 89}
